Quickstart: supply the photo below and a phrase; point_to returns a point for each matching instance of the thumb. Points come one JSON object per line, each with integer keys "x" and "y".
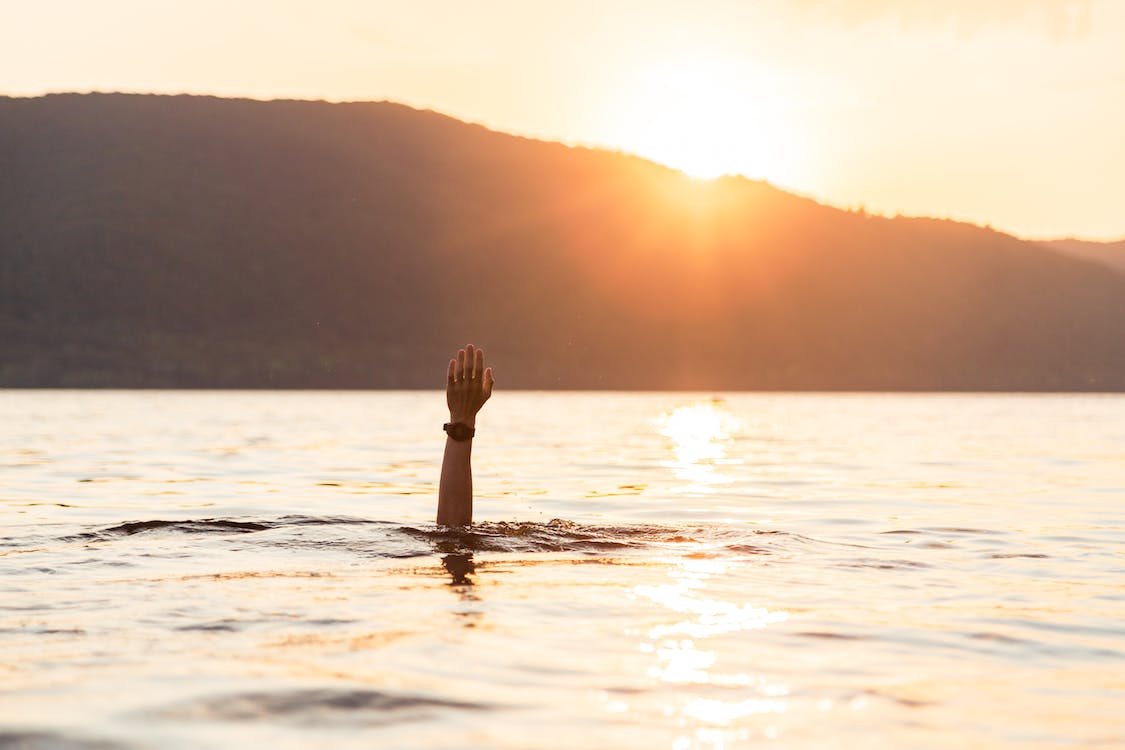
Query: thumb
{"x": 488, "y": 381}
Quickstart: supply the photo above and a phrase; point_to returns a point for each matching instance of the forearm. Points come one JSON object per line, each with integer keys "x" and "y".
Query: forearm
{"x": 455, "y": 490}
{"x": 468, "y": 384}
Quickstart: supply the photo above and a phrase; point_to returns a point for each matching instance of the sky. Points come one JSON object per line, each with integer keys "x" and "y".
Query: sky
{"x": 1008, "y": 113}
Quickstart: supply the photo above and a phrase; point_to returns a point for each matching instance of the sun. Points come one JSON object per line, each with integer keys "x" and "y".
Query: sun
{"x": 704, "y": 116}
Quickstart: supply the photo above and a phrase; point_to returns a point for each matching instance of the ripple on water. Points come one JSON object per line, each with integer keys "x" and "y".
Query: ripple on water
{"x": 321, "y": 707}
{"x": 52, "y": 741}
{"x": 552, "y": 536}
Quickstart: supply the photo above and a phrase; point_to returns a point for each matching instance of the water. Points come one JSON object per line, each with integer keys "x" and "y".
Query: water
{"x": 216, "y": 570}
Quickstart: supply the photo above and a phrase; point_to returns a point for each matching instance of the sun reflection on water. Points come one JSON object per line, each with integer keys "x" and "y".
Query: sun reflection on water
{"x": 693, "y": 648}
{"x": 723, "y": 713}
{"x": 700, "y": 433}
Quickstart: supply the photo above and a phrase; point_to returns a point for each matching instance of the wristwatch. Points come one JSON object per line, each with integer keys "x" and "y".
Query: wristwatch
{"x": 459, "y": 430}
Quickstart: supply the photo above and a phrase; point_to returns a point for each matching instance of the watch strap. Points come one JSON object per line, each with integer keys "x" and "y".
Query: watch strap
{"x": 459, "y": 431}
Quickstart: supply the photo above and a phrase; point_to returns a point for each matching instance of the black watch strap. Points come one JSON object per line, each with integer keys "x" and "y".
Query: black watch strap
{"x": 459, "y": 430}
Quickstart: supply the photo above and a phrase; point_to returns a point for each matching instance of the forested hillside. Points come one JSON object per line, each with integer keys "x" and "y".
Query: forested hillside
{"x": 200, "y": 242}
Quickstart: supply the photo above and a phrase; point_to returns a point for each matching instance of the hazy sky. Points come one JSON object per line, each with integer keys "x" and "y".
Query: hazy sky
{"x": 1007, "y": 112}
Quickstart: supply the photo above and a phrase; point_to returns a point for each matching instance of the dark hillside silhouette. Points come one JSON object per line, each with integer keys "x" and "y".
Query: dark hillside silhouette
{"x": 204, "y": 242}
{"x": 1111, "y": 254}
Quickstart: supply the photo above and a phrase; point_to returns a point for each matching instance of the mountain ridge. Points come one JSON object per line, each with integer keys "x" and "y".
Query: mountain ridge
{"x": 210, "y": 242}
{"x": 1110, "y": 254}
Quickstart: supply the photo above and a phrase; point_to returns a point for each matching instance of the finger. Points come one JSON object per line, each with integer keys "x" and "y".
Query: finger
{"x": 470, "y": 361}
{"x": 488, "y": 381}
{"x": 460, "y": 365}
{"x": 452, "y": 372}
{"x": 478, "y": 365}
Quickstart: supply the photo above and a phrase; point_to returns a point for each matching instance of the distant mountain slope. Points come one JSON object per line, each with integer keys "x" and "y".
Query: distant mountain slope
{"x": 1110, "y": 254}
{"x": 195, "y": 241}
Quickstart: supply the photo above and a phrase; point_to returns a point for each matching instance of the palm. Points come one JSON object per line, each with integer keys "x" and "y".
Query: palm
{"x": 468, "y": 385}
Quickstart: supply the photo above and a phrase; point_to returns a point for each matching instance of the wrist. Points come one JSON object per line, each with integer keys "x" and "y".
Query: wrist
{"x": 459, "y": 431}
{"x": 467, "y": 421}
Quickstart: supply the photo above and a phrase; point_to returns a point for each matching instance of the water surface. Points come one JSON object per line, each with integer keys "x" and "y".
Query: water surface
{"x": 213, "y": 570}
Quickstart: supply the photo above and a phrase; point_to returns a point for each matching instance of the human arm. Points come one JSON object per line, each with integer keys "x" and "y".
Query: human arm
{"x": 468, "y": 385}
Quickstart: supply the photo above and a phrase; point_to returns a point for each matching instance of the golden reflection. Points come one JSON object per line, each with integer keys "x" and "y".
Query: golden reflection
{"x": 681, "y": 662}
{"x": 692, "y": 648}
{"x": 722, "y": 713}
{"x": 700, "y": 434}
{"x": 679, "y": 646}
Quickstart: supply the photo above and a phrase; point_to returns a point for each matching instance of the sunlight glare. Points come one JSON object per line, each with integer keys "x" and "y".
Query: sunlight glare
{"x": 722, "y": 713}
{"x": 704, "y": 116}
{"x": 678, "y": 644}
{"x": 699, "y": 433}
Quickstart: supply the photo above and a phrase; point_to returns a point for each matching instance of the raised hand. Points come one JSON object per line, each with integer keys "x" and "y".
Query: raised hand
{"x": 468, "y": 385}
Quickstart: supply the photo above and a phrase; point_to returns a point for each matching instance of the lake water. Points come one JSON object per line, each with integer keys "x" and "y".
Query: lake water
{"x": 261, "y": 570}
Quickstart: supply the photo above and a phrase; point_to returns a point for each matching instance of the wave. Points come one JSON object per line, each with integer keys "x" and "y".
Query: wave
{"x": 10, "y": 740}
{"x": 318, "y": 706}
{"x": 389, "y": 539}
